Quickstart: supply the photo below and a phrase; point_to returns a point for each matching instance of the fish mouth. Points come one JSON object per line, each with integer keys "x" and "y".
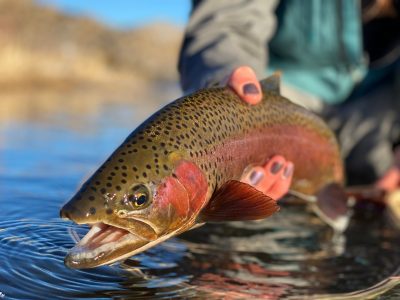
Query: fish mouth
{"x": 105, "y": 244}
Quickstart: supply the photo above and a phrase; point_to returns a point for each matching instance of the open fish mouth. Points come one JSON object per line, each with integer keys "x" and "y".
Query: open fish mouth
{"x": 104, "y": 244}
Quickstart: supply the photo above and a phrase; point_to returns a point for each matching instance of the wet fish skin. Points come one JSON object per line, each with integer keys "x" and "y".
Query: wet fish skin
{"x": 186, "y": 152}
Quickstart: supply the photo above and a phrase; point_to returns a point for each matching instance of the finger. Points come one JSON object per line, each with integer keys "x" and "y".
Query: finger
{"x": 272, "y": 172}
{"x": 390, "y": 180}
{"x": 253, "y": 176}
{"x": 262, "y": 178}
{"x": 243, "y": 81}
{"x": 274, "y": 179}
{"x": 281, "y": 185}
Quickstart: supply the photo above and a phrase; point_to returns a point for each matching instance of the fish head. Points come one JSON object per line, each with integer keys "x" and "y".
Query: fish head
{"x": 129, "y": 213}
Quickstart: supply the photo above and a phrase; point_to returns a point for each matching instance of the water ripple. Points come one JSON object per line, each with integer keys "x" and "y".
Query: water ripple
{"x": 32, "y": 267}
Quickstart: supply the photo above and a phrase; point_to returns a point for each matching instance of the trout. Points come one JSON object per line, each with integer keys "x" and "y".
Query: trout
{"x": 182, "y": 166}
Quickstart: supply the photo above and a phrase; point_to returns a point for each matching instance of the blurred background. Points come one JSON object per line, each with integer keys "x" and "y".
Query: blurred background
{"x": 70, "y": 56}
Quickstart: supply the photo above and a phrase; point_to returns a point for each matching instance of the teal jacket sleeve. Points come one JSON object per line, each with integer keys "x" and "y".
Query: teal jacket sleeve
{"x": 222, "y": 35}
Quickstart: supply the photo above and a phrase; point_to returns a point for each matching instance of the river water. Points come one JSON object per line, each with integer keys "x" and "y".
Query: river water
{"x": 46, "y": 154}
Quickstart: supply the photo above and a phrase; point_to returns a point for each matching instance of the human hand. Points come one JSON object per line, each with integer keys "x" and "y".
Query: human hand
{"x": 391, "y": 179}
{"x": 275, "y": 177}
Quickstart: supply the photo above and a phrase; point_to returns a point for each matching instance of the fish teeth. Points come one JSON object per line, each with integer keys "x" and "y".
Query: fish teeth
{"x": 74, "y": 235}
{"x": 80, "y": 252}
{"x": 96, "y": 228}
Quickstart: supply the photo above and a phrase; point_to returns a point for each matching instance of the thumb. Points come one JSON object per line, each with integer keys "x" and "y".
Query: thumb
{"x": 243, "y": 81}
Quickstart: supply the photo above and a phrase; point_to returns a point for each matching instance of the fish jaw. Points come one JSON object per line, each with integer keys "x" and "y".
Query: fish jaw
{"x": 111, "y": 237}
{"x": 103, "y": 244}
{"x": 120, "y": 245}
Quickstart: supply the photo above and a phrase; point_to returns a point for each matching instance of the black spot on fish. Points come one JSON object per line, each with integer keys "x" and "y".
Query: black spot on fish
{"x": 91, "y": 198}
{"x": 109, "y": 211}
{"x": 92, "y": 210}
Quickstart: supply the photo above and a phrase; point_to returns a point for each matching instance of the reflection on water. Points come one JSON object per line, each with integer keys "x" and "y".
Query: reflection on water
{"x": 43, "y": 160}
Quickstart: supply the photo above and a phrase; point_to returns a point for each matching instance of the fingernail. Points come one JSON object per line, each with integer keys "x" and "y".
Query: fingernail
{"x": 276, "y": 167}
{"x": 250, "y": 89}
{"x": 255, "y": 177}
{"x": 288, "y": 171}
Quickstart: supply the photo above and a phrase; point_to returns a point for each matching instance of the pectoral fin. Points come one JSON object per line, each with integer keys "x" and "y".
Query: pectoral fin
{"x": 238, "y": 201}
{"x": 331, "y": 204}
{"x": 332, "y": 201}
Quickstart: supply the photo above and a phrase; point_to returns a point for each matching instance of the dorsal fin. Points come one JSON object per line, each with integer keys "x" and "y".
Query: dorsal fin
{"x": 272, "y": 83}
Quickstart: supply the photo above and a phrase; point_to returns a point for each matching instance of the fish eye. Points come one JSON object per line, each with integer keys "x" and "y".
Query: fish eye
{"x": 140, "y": 197}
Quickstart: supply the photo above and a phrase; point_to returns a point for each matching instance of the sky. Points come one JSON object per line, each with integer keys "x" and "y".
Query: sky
{"x": 127, "y": 13}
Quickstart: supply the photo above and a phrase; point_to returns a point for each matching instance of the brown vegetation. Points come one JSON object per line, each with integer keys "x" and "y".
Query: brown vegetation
{"x": 51, "y": 62}
{"x": 41, "y": 46}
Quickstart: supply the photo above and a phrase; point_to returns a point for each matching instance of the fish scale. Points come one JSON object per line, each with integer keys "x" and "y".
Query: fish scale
{"x": 221, "y": 136}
